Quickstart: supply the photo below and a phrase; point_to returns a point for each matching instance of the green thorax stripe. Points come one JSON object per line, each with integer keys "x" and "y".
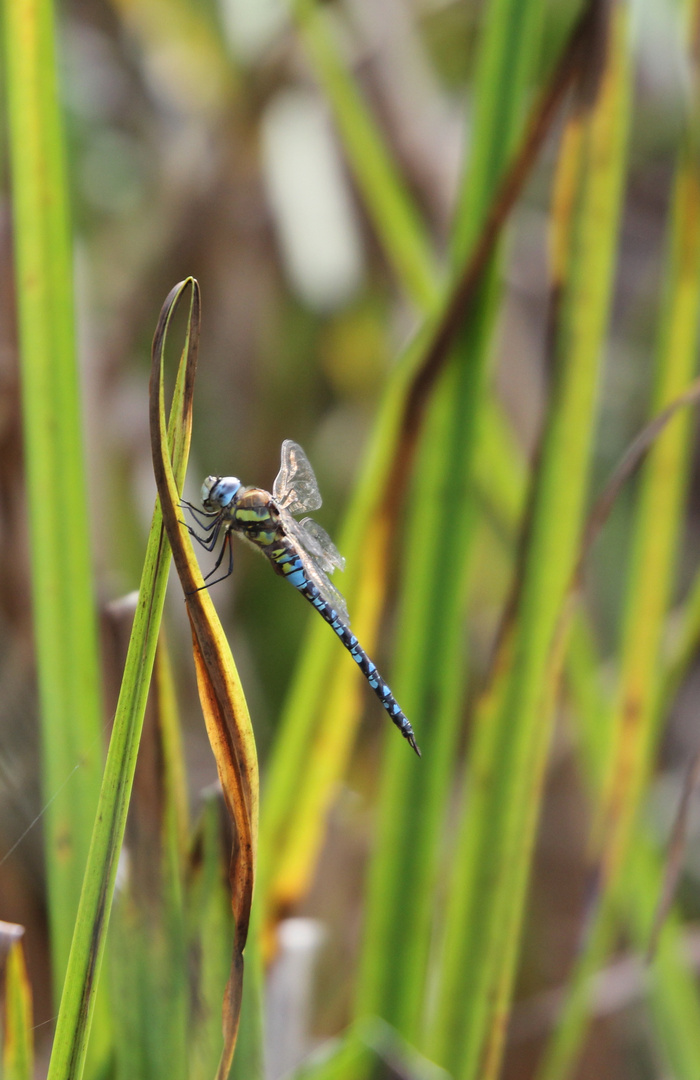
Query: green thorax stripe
{"x": 246, "y": 514}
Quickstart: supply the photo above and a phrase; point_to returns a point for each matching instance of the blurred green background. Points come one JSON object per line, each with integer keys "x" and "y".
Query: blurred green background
{"x": 324, "y": 171}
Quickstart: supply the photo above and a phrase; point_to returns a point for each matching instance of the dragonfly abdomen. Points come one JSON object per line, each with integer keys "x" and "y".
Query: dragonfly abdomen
{"x": 289, "y": 565}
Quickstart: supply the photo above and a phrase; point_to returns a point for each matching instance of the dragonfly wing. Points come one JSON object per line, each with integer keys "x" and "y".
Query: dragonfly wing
{"x": 313, "y": 568}
{"x": 295, "y": 488}
{"x": 327, "y": 590}
{"x": 319, "y": 543}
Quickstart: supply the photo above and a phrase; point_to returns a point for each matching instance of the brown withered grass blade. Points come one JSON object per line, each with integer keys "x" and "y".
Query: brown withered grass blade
{"x": 223, "y": 703}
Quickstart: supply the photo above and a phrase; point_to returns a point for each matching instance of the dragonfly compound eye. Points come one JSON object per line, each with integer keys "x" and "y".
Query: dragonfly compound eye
{"x": 219, "y": 491}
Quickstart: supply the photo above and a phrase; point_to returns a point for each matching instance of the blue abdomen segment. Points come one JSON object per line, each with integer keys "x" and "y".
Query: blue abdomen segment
{"x": 289, "y": 565}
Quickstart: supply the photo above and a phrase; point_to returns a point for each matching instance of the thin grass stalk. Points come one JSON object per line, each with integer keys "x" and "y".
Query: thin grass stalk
{"x": 430, "y": 650}
{"x": 430, "y": 681}
{"x": 672, "y": 991}
{"x": 87, "y": 948}
{"x": 599, "y": 216}
{"x": 507, "y": 56}
{"x": 636, "y": 717}
{"x": 671, "y": 986}
{"x": 657, "y": 527}
{"x": 16, "y": 1026}
{"x": 176, "y": 820}
{"x": 148, "y": 963}
{"x": 62, "y": 590}
{"x": 682, "y": 646}
{"x": 504, "y": 788}
{"x": 174, "y": 984}
{"x": 210, "y": 932}
{"x": 378, "y": 987}
{"x": 174, "y": 981}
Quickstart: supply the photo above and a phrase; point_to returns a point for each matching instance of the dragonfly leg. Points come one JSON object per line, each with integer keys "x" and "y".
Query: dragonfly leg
{"x": 217, "y": 564}
{"x": 208, "y": 528}
{"x": 197, "y": 513}
{"x": 197, "y": 509}
{"x": 208, "y": 543}
{"x": 208, "y": 584}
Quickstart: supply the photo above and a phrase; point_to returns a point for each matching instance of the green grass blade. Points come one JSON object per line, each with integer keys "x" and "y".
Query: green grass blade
{"x": 507, "y": 55}
{"x": 636, "y": 716}
{"x": 656, "y": 529}
{"x": 75, "y": 1014}
{"x": 211, "y": 934}
{"x": 148, "y": 961}
{"x": 510, "y": 751}
{"x": 63, "y": 602}
{"x": 672, "y": 992}
{"x": 683, "y": 646}
{"x": 16, "y": 1028}
{"x": 430, "y": 666}
{"x": 211, "y": 931}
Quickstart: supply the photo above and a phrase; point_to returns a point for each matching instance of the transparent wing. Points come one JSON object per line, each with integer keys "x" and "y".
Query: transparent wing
{"x": 320, "y": 545}
{"x": 313, "y": 566}
{"x": 295, "y": 488}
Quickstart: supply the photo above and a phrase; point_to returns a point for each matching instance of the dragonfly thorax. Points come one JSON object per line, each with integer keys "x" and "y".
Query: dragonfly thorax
{"x": 219, "y": 492}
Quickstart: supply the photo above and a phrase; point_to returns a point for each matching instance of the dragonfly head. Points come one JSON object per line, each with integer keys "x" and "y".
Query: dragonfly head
{"x": 219, "y": 492}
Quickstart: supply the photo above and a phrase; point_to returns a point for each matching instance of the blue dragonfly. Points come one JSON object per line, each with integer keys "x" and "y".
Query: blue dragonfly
{"x": 300, "y": 551}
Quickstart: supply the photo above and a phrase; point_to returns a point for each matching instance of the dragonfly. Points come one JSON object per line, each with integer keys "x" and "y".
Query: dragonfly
{"x": 300, "y": 551}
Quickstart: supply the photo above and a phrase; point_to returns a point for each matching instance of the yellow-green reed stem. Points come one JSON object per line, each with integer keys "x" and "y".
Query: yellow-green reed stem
{"x": 17, "y": 1048}
{"x": 492, "y": 861}
{"x": 635, "y": 719}
{"x": 671, "y": 987}
{"x": 149, "y": 970}
{"x": 61, "y": 566}
{"x": 656, "y": 531}
{"x": 431, "y": 661}
{"x": 507, "y": 56}
{"x": 211, "y": 933}
{"x": 682, "y": 648}
{"x": 87, "y": 947}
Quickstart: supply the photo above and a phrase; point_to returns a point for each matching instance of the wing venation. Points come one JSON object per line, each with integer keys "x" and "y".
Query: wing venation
{"x": 295, "y": 488}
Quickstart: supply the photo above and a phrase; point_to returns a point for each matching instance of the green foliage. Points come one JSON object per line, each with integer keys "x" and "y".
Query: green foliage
{"x": 17, "y": 1062}
{"x": 62, "y": 589}
{"x": 426, "y": 872}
